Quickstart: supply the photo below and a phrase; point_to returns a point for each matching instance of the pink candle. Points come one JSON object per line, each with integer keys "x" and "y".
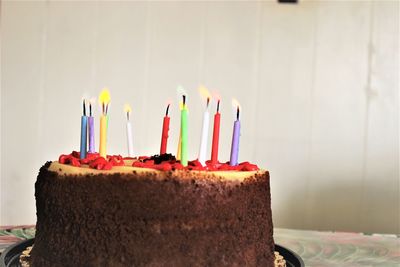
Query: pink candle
{"x": 164, "y": 135}
{"x": 215, "y": 140}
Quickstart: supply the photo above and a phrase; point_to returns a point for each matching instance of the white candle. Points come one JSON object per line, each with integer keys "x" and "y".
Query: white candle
{"x": 129, "y": 136}
{"x": 204, "y": 137}
{"x": 129, "y": 131}
{"x": 204, "y": 130}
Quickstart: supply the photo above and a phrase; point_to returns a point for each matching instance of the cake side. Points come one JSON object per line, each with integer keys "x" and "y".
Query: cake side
{"x": 127, "y": 168}
{"x": 152, "y": 218}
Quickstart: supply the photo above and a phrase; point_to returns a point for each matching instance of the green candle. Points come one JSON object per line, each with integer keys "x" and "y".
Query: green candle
{"x": 184, "y": 134}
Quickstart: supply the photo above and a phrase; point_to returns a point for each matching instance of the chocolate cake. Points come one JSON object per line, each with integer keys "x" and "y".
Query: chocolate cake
{"x": 138, "y": 216}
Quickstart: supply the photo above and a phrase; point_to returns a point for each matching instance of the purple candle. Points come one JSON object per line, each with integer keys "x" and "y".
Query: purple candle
{"x": 91, "y": 135}
{"x": 91, "y": 130}
{"x": 235, "y": 140}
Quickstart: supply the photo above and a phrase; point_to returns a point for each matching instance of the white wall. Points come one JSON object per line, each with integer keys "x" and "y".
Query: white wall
{"x": 318, "y": 83}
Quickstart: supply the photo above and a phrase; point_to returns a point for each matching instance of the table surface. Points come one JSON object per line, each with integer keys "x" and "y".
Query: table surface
{"x": 315, "y": 248}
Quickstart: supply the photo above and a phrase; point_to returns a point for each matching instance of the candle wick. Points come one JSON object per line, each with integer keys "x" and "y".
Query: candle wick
{"x": 237, "y": 113}
{"x": 167, "y": 110}
{"x": 127, "y": 115}
{"x": 218, "y": 105}
{"x": 102, "y": 106}
{"x": 208, "y": 101}
{"x": 90, "y": 109}
{"x": 106, "y": 109}
{"x": 84, "y": 107}
{"x": 184, "y": 99}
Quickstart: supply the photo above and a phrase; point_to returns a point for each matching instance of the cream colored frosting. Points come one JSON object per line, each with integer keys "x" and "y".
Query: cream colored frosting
{"x": 65, "y": 169}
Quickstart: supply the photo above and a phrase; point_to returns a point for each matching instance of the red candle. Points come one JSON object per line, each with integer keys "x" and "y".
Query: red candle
{"x": 164, "y": 136}
{"x": 215, "y": 140}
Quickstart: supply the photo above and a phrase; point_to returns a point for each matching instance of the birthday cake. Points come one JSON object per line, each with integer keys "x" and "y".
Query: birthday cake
{"x": 95, "y": 209}
{"x": 146, "y": 216}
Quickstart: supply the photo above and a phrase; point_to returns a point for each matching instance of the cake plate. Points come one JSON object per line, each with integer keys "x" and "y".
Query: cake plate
{"x": 10, "y": 257}
{"x": 292, "y": 259}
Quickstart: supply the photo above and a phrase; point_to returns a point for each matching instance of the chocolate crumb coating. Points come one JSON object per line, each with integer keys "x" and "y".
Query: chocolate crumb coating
{"x": 152, "y": 219}
{"x": 161, "y": 158}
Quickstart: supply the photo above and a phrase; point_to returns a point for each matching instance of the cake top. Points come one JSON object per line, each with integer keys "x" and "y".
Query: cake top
{"x": 164, "y": 162}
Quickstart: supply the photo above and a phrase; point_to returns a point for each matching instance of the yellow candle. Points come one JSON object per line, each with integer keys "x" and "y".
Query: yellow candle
{"x": 103, "y": 136}
{"x": 104, "y": 100}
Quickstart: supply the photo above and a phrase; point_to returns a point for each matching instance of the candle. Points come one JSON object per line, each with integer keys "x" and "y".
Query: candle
{"x": 164, "y": 135}
{"x": 184, "y": 133}
{"x": 103, "y": 136}
{"x": 83, "y": 149}
{"x": 215, "y": 140}
{"x": 235, "y": 137}
{"x": 129, "y": 130}
{"x": 91, "y": 130}
{"x": 204, "y": 129}
{"x": 178, "y": 153}
{"x": 104, "y": 101}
